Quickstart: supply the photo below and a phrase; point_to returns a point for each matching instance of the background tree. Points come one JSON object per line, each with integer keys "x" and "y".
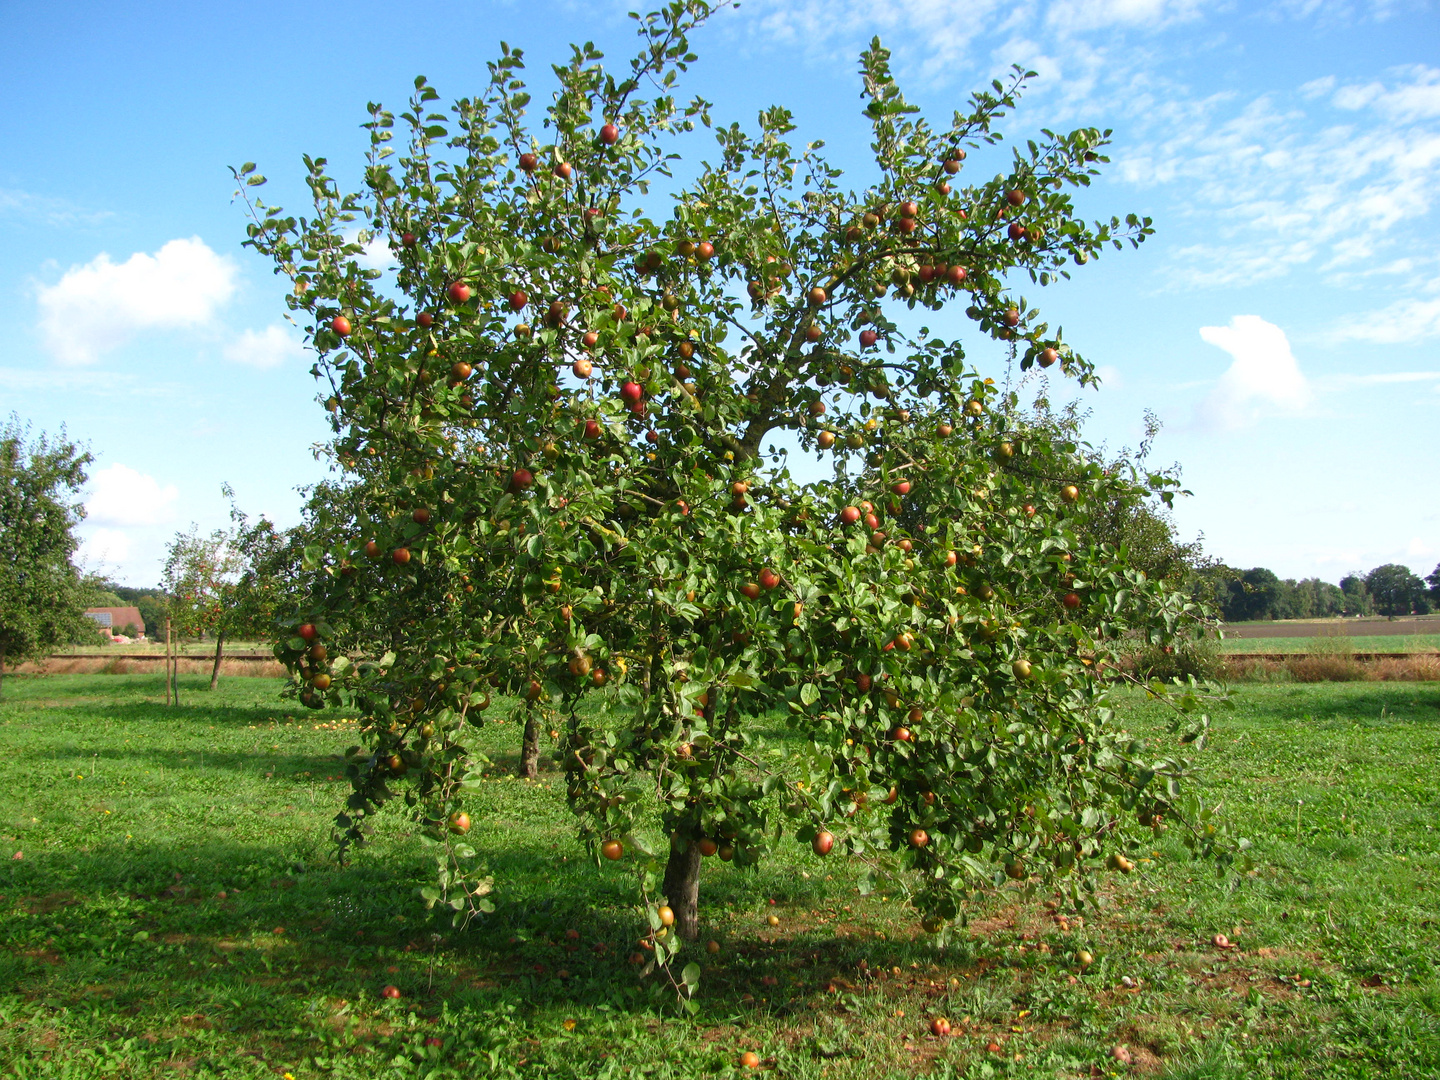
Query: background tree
{"x": 1396, "y": 590}
{"x": 563, "y": 424}
{"x": 1433, "y": 580}
{"x": 42, "y": 594}
{"x": 200, "y": 578}
{"x": 1358, "y": 600}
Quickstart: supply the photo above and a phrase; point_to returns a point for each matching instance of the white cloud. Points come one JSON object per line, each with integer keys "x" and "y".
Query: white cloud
{"x": 1263, "y": 375}
{"x": 96, "y": 307}
{"x": 104, "y": 549}
{"x": 266, "y": 348}
{"x": 122, "y": 496}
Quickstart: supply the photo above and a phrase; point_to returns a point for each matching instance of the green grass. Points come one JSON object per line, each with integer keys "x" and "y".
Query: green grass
{"x": 121, "y": 957}
{"x": 1385, "y": 643}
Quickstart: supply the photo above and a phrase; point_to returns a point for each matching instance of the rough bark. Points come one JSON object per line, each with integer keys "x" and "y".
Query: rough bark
{"x": 530, "y": 748}
{"x": 219, "y": 651}
{"x": 682, "y": 888}
{"x": 167, "y": 661}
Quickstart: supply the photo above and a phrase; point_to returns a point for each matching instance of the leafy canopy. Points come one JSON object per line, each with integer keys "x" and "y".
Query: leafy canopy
{"x": 558, "y": 422}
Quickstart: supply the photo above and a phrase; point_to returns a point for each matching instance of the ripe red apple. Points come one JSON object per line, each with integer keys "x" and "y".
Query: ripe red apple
{"x": 816, "y": 296}
{"x": 957, "y": 275}
{"x": 308, "y": 631}
{"x": 652, "y": 436}
{"x": 750, "y": 590}
{"x": 704, "y": 251}
{"x": 609, "y": 134}
{"x": 952, "y": 167}
{"x": 460, "y": 371}
{"x": 518, "y": 300}
{"x": 942, "y": 187}
{"x": 458, "y": 292}
{"x": 825, "y": 440}
{"x": 1048, "y": 357}
{"x": 1012, "y": 316}
{"x": 563, "y": 170}
{"x": 529, "y": 163}
{"x": 401, "y": 556}
{"x": 1016, "y": 231}
{"x": 421, "y": 516}
{"x": 1070, "y": 600}
{"x": 906, "y": 225}
{"x": 707, "y": 846}
{"x": 592, "y": 429}
{"x": 582, "y": 368}
{"x": 817, "y": 408}
{"x": 631, "y": 392}
{"x": 612, "y": 849}
{"x": 1028, "y": 510}
{"x": 823, "y": 843}
{"x": 390, "y": 992}
{"x": 460, "y": 823}
{"x": 813, "y": 332}
{"x": 768, "y": 578}
{"x": 1015, "y": 197}
{"x": 373, "y": 549}
{"x": 850, "y": 515}
{"x": 868, "y": 338}
{"x": 590, "y": 340}
{"x": 951, "y": 558}
{"x": 521, "y": 479}
{"x": 901, "y": 487}
{"x": 341, "y": 325}
{"x": 940, "y": 1026}
{"x": 1069, "y": 493}
{"x": 919, "y": 838}
{"x": 902, "y": 734}
{"x": 750, "y": 1060}
{"x": 944, "y": 431}
{"x": 425, "y": 320}
{"x": 534, "y": 691}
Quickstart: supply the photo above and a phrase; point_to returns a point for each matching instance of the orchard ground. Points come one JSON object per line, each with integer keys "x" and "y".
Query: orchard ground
{"x": 176, "y": 912}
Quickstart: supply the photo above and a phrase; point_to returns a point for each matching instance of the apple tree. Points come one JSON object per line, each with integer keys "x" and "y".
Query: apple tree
{"x": 573, "y": 405}
{"x": 43, "y": 595}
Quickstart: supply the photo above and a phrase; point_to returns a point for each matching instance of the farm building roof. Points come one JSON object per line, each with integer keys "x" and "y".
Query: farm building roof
{"x": 115, "y": 618}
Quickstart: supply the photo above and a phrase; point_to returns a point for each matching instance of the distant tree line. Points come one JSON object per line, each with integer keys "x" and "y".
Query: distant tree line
{"x": 1260, "y": 594}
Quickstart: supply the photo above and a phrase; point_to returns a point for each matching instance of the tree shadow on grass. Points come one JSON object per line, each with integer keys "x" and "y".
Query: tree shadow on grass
{"x": 1378, "y": 704}
{"x": 202, "y": 927}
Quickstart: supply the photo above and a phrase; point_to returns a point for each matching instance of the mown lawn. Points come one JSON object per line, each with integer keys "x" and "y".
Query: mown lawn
{"x": 176, "y": 912}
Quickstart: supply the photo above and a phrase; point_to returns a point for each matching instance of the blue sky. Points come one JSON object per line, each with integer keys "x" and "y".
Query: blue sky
{"x": 1283, "y": 323}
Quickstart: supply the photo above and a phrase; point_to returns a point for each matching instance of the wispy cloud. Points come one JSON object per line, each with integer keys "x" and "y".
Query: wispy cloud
{"x": 47, "y": 210}
{"x": 1298, "y": 183}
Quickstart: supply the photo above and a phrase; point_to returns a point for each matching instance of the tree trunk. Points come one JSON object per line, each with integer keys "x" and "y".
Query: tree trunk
{"x": 167, "y": 661}
{"x": 219, "y": 650}
{"x": 530, "y": 747}
{"x": 682, "y": 887}
{"x": 2, "y": 671}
